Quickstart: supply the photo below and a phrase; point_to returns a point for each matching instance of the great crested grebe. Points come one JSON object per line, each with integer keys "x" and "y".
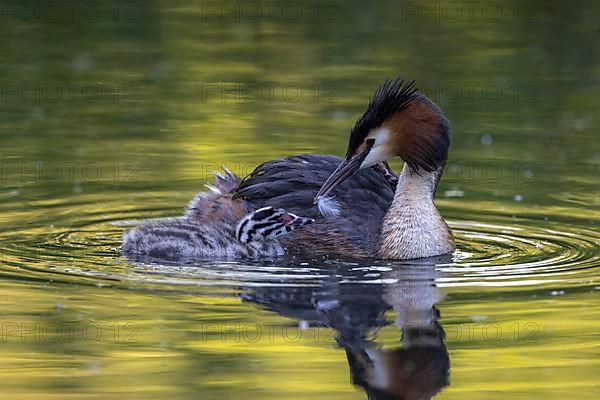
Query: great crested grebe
{"x": 284, "y": 207}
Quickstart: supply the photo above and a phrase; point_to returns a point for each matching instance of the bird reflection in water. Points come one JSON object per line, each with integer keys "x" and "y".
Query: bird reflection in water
{"x": 418, "y": 368}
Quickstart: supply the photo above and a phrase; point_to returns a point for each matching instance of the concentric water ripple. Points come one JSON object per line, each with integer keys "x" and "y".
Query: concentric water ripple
{"x": 84, "y": 248}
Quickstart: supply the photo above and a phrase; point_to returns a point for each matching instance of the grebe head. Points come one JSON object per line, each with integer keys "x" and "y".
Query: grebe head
{"x": 399, "y": 121}
{"x": 267, "y": 223}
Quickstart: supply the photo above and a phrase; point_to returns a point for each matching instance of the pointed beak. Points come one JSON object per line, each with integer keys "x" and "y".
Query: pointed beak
{"x": 293, "y": 220}
{"x": 341, "y": 173}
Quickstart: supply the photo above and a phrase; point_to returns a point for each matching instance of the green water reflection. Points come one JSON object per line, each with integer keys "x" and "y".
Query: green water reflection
{"x": 117, "y": 111}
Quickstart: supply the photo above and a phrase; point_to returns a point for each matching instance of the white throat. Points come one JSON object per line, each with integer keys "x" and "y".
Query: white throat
{"x": 413, "y": 227}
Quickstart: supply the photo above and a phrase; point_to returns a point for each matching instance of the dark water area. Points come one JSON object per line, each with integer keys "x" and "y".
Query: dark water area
{"x": 113, "y": 112}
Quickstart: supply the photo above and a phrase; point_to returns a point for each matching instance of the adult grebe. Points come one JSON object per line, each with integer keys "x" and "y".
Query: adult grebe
{"x": 373, "y": 212}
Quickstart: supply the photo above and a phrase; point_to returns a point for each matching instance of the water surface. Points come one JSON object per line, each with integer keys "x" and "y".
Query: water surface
{"x": 108, "y": 119}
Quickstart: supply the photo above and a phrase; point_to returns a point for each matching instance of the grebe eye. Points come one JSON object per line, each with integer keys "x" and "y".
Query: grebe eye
{"x": 370, "y": 142}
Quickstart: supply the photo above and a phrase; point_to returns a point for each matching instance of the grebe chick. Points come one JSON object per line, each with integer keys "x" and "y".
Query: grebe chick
{"x": 371, "y": 213}
{"x": 177, "y": 238}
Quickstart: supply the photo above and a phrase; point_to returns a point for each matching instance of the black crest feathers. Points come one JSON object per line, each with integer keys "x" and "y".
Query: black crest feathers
{"x": 389, "y": 98}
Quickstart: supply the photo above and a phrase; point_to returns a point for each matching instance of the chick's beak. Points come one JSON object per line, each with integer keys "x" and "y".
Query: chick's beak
{"x": 294, "y": 220}
{"x": 341, "y": 173}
